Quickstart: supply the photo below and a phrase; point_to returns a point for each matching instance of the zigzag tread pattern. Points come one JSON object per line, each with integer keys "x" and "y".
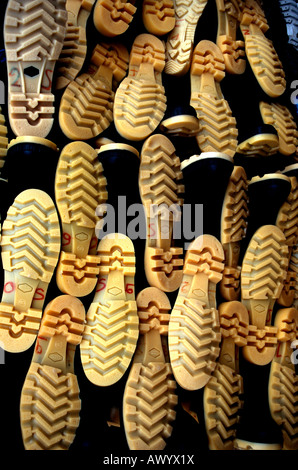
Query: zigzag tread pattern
{"x": 80, "y": 185}
{"x": 18, "y": 323}
{"x": 222, "y": 405}
{"x": 218, "y": 131}
{"x": 49, "y": 408}
{"x": 35, "y": 29}
{"x": 86, "y": 107}
{"x": 235, "y": 208}
{"x": 3, "y": 139}
{"x": 290, "y": 13}
{"x": 264, "y": 265}
{"x": 280, "y": 117}
{"x": 139, "y": 103}
{"x": 284, "y": 402}
{"x": 160, "y": 175}
{"x": 73, "y": 54}
{"x": 149, "y": 402}
{"x": 194, "y": 338}
{"x": 119, "y": 11}
{"x": 205, "y": 260}
{"x": 161, "y": 11}
{"x": 31, "y": 237}
{"x": 109, "y": 339}
{"x": 266, "y": 64}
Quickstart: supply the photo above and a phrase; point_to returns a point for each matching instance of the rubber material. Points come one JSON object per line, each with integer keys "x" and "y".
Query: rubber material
{"x": 179, "y": 45}
{"x": 46, "y": 424}
{"x": 140, "y": 100}
{"x": 228, "y": 13}
{"x": 80, "y": 187}
{"x": 112, "y": 325}
{"x": 233, "y": 229}
{"x": 30, "y": 249}
{"x": 161, "y": 190}
{"x": 218, "y": 131}
{"x": 194, "y": 333}
{"x": 150, "y": 392}
{"x": 264, "y": 269}
{"x": 3, "y": 139}
{"x": 112, "y": 18}
{"x": 223, "y": 394}
{"x": 260, "y": 51}
{"x": 158, "y": 16}
{"x": 86, "y": 107}
{"x": 283, "y": 380}
{"x": 34, "y": 32}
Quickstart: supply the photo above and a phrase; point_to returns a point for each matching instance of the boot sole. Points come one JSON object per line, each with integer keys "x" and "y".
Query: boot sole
{"x": 30, "y": 250}
{"x": 112, "y": 18}
{"x": 80, "y": 188}
{"x": 150, "y": 392}
{"x": 50, "y": 402}
{"x": 218, "y": 132}
{"x": 160, "y": 183}
{"x": 194, "y": 334}
{"x": 263, "y": 272}
{"x": 33, "y": 35}
{"x": 158, "y": 17}
{"x": 140, "y": 101}
{"x": 112, "y": 325}
{"x": 86, "y": 107}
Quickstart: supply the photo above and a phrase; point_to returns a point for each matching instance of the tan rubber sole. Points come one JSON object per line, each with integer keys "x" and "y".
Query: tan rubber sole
{"x": 161, "y": 190}
{"x": 263, "y": 272}
{"x": 140, "y": 100}
{"x": 3, "y": 139}
{"x": 194, "y": 333}
{"x": 86, "y": 107}
{"x": 179, "y": 45}
{"x": 112, "y": 18}
{"x": 283, "y": 380}
{"x": 180, "y": 126}
{"x": 112, "y": 324}
{"x": 223, "y": 394}
{"x": 33, "y": 33}
{"x": 74, "y": 48}
{"x": 50, "y": 402}
{"x": 260, "y": 51}
{"x": 233, "y": 229}
{"x": 79, "y": 188}
{"x": 218, "y": 131}
{"x": 282, "y": 120}
{"x": 30, "y": 249}
{"x": 264, "y": 145}
{"x": 149, "y": 396}
{"x": 287, "y": 221}
{"x": 228, "y": 13}
{"x": 158, "y": 16}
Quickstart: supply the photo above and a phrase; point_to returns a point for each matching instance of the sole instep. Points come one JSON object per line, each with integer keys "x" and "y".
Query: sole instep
{"x": 179, "y": 45}
{"x": 218, "y": 131}
{"x": 263, "y": 273}
{"x": 150, "y": 393}
{"x": 74, "y": 48}
{"x": 283, "y": 380}
{"x": 80, "y": 187}
{"x": 50, "y": 402}
{"x": 161, "y": 190}
{"x": 158, "y": 16}
{"x": 34, "y": 33}
{"x": 233, "y": 230}
{"x": 30, "y": 249}
{"x": 282, "y": 120}
{"x": 112, "y": 325}
{"x": 140, "y": 101}
{"x": 223, "y": 394}
{"x": 260, "y": 51}
{"x": 228, "y": 13}
{"x": 194, "y": 334}
{"x": 86, "y": 107}
{"x": 112, "y": 18}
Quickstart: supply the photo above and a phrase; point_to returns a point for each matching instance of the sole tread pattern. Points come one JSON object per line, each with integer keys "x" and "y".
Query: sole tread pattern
{"x": 158, "y": 17}
{"x": 3, "y": 139}
{"x": 179, "y": 43}
{"x": 290, "y": 13}
{"x": 112, "y": 17}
